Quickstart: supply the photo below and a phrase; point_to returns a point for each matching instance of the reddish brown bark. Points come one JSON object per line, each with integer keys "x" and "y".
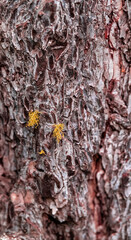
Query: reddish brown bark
{"x": 70, "y": 60}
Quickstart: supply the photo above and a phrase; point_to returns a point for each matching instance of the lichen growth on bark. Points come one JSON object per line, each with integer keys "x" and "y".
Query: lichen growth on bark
{"x": 57, "y": 133}
{"x": 34, "y": 118}
{"x": 42, "y": 152}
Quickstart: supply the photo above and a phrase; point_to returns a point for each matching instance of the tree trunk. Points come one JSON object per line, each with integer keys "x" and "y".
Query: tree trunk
{"x": 69, "y": 60}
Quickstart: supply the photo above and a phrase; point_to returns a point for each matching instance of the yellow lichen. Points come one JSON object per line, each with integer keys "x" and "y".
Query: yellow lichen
{"x": 42, "y": 152}
{"x": 57, "y": 133}
{"x": 34, "y": 118}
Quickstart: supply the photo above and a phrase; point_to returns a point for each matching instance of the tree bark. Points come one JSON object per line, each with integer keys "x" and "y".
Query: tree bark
{"x": 70, "y": 60}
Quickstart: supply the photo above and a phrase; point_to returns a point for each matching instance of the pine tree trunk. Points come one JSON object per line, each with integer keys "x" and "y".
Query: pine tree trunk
{"x": 70, "y": 61}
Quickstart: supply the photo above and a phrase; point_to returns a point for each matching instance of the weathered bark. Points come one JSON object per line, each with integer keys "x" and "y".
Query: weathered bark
{"x": 69, "y": 60}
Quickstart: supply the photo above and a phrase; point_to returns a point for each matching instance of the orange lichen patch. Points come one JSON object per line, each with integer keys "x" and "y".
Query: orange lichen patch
{"x": 29, "y": 198}
{"x": 57, "y": 133}
{"x": 34, "y": 118}
{"x": 42, "y": 152}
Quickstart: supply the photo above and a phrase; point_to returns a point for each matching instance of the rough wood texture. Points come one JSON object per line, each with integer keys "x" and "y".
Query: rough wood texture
{"x": 69, "y": 60}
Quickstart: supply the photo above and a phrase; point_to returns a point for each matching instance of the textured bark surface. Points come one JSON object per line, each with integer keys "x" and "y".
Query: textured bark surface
{"x": 69, "y": 60}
